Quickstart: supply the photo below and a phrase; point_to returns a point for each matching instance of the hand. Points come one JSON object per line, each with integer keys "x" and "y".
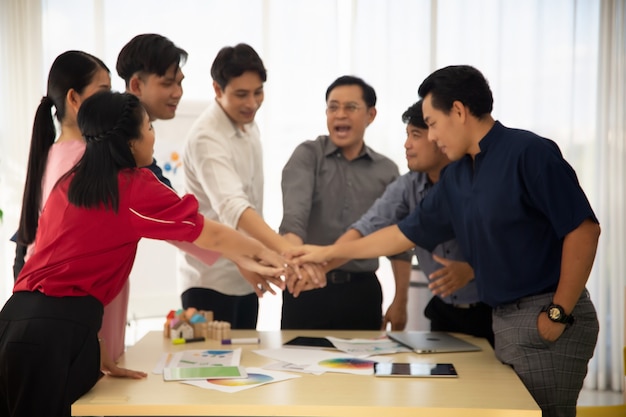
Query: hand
{"x": 309, "y": 254}
{"x": 109, "y": 367}
{"x": 396, "y": 315}
{"x": 261, "y": 283}
{"x": 117, "y": 372}
{"x": 312, "y": 276}
{"x": 269, "y": 257}
{"x": 453, "y": 276}
{"x": 549, "y": 330}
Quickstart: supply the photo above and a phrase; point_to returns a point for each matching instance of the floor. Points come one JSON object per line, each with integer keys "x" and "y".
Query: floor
{"x": 138, "y": 328}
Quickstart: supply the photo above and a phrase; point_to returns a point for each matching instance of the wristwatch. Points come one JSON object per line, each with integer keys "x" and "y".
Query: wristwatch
{"x": 557, "y": 314}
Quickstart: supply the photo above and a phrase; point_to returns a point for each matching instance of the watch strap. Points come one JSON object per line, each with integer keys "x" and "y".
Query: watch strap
{"x": 561, "y": 317}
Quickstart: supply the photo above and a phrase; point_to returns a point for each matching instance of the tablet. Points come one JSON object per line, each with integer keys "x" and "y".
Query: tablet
{"x": 309, "y": 342}
{"x": 204, "y": 372}
{"x": 417, "y": 370}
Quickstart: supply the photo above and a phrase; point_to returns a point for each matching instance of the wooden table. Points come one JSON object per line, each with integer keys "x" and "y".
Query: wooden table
{"x": 484, "y": 388}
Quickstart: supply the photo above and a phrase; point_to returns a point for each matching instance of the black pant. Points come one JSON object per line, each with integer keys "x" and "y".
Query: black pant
{"x": 240, "y": 311}
{"x": 350, "y": 301}
{"x": 475, "y": 320}
{"x": 49, "y": 353}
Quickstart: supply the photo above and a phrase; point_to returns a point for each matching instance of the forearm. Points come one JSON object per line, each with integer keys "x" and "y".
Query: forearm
{"x": 254, "y": 225}
{"x": 220, "y": 238}
{"x": 402, "y": 276}
{"x": 348, "y": 236}
{"x": 579, "y": 250}
{"x": 385, "y": 242}
{"x": 293, "y": 239}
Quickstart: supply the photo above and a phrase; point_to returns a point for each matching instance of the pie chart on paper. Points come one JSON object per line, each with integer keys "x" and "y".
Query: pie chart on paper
{"x": 347, "y": 363}
{"x": 252, "y": 379}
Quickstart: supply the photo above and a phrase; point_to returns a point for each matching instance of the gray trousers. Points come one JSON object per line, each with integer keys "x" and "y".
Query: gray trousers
{"x": 553, "y": 372}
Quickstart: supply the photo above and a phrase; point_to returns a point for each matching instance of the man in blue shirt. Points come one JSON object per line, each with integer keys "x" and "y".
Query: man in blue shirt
{"x": 523, "y": 223}
{"x": 455, "y": 306}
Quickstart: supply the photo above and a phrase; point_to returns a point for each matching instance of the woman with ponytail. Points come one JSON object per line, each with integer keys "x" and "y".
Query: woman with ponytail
{"x": 86, "y": 244}
{"x": 73, "y": 77}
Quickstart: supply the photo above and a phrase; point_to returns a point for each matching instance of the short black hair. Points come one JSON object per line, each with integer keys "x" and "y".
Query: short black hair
{"x": 414, "y": 116}
{"x": 369, "y": 95}
{"x": 233, "y": 61}
{"x": 458, "y": 83}
{"x": 149, "y": 53}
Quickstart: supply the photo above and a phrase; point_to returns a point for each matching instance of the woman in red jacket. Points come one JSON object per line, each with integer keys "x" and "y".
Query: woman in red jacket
{"x": 86, "y": 244}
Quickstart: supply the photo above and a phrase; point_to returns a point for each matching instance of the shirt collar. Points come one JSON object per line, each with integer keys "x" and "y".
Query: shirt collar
{"x": 331, "y": 149}
{"x": 224, "y": 120}
{"x": 491, "y": 137}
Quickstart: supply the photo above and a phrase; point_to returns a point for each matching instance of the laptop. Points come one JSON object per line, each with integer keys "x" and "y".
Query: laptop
{"x": 432, "y": 342}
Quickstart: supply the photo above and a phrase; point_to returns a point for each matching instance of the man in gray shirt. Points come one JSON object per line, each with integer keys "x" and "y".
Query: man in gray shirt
{"x": 327, "y": 184}
{"x": 455, "y": 306}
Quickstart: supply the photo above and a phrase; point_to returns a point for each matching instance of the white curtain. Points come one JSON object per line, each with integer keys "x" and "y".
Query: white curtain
{"x": 609, "y": 276}
{"x": 22, "y": 86}
{"x": 556, "y": 67}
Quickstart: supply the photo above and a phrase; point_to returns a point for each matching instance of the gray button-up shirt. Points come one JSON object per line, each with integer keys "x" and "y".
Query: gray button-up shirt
{"x": 324, "y": 193}
{"x": 401, "y": 198}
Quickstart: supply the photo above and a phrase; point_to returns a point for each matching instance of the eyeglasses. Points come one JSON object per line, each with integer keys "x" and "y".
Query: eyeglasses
{"x": 348, "y": 108}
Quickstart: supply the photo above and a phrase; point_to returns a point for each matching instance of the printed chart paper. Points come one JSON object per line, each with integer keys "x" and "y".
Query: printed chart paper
{"x": 197, "y": 358}
{"x": 256, "y": 377}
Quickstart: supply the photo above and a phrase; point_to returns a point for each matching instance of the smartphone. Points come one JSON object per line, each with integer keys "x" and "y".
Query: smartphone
{"x": 309, "y": 342}
{"x": 425, "y": 370}
{"x": 204, "y": 372}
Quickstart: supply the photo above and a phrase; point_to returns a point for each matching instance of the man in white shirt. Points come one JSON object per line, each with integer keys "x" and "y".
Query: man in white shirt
{"x": 223, "y": 168}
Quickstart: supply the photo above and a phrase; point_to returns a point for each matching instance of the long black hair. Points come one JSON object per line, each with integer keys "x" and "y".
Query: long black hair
{"x": 109, "y": 122}
{"x": 70, "y": 70}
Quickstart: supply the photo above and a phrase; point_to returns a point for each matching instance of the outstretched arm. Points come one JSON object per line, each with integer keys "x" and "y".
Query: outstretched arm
{"x": 385, "y": 242}
{"x": 254, "y": 225}
{"x": 218, "y": 237}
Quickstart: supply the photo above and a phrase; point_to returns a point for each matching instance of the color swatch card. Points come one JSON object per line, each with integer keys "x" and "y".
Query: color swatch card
{"x": 256, "y": 377}
{"x": 352, "y": 365}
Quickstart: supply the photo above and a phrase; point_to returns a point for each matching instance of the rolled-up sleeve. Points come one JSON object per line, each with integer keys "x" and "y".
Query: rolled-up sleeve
{"x": 388, "y": 209}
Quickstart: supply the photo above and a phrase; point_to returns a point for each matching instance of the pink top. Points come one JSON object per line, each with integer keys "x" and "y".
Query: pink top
{"x": 62, "y": 157}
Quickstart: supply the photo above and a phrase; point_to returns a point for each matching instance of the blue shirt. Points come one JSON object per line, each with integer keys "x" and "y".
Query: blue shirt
{"x": 510, "y": 209}
{"x": 400, "y": 198}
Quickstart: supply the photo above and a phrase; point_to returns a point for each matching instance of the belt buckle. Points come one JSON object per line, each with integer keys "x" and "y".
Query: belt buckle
{"x": 338, "y": 277}
{"x": 463, "y": 306}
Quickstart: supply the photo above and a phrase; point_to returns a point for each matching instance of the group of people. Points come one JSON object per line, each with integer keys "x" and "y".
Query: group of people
{"x": 495, "y": 216}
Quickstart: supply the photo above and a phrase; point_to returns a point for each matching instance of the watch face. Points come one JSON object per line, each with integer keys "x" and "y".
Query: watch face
{"x": 554, "y": 313}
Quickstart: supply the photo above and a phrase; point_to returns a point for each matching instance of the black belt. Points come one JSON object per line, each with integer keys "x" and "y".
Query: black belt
{"x": 337, "y": 276}
{"x": 465, "y": 306}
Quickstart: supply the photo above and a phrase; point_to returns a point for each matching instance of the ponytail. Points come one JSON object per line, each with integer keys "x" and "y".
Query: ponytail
{"x": 43, "y": 136}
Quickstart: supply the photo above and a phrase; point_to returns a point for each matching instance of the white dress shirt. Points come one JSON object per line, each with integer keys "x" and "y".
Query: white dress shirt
{"x": 223, "y": 168}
